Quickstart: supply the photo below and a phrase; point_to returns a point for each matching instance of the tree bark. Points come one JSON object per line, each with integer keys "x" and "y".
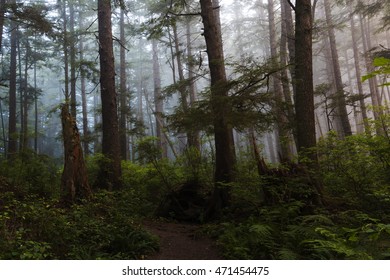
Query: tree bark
{"x": 181, "y": 82}
{"x": 2, "y": 12}
{"x": 74, "y": 179}
{"x": 191, "y": 77}
{"x": 35, "y": 110}
{"x": 72, "y": 46}
{"x": 339, "y": 96}
{"x": 304, "y": 105}
{"x": 370, "y": 68}
{"x": 223, "y": 133}
{"x": 66, "y": 51}
{"x": 289, "y": 25}
{"x": 284, "y": 137}
{"x": 158, "y": 102}
{"x": 285, "y": 63}
{"x": 24, "y": 132}
{"x": 123, "y": 90}
{"x": 12, "y": 137}
{"x": 358, "y": 74}
{"x": 110, "y": 173}
{"x": 84, "y": 105}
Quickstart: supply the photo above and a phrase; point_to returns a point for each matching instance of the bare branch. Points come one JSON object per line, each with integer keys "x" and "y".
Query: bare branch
{"x": 291, "y": 4}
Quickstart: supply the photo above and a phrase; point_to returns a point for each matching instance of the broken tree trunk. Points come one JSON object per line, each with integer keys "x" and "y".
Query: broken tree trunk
{"x": 74, "y": 180}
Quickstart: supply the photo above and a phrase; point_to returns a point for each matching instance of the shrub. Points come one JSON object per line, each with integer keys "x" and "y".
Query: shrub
{"x": 356, "y": 169}
{"x": 31, "y": 173}
{"x": 104, "y": 228}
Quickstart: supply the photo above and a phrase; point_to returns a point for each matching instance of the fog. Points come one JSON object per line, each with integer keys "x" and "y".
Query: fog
{"x": 45, "y": 66}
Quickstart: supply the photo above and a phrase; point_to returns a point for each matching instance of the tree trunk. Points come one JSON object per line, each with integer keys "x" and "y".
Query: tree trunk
{"x": 110, "y": 173}
{"x": 191, "y": 77}
{"x": 281, "y": 117}
{"x": 289, "y": 25}
{"x": 74, "y": 179}
{"x": 20, "y": 84}
{"x": 333, "y": 117}
{"x": 123, "y": 90}
{"x": 304, "y": 105}
{"x": 84, "y": 105}
{"x": 223, "y": 133}
{"x": 283, "y": 73}
{"x": 158, "y": 102}
{"x": 181, "y": 82}
{"x": 140, "y": 88}
{"x": 191, "y": 141}
{"x": 24, "y": 139}
{"x": 2, "y": 12}
{"x": 370, "y": 68}
{"x": 12, "y": 137}
{"x": 341, "y": 109}
{"x": 72, "y": 46}
{"x": 358, "y": 74}
{"x": 65, "y": 49}
{"x": 35, "y": 110}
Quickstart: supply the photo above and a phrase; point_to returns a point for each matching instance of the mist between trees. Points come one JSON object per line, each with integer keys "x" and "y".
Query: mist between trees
{"x": 210, "y": 85}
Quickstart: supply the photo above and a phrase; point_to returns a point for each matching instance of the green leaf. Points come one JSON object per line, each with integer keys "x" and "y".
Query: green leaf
{"x": 381, "y": 61}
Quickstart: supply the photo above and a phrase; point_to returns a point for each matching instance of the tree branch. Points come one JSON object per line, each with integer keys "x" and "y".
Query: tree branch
{"x": 291, "y": 5}
{"x": 183, "y": 15}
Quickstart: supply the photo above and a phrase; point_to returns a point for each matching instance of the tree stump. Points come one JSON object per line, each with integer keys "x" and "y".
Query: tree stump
{"x": 74, "y": 180}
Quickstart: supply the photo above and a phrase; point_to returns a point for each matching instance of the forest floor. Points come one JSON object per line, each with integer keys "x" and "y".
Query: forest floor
{"x": 180, "y": 241}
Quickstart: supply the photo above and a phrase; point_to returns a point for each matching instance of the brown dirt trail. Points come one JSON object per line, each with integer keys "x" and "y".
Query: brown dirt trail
{"x": 181, "y": 242}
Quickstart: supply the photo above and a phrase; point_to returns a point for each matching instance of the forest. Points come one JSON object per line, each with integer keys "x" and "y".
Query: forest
{"x": 183, "y": 129}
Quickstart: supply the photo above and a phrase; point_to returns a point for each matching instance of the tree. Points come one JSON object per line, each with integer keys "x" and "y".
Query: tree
{"x": 12, "y": 137}
{"x": 86, "y": 133}
{"x": 191, "y": 79}
{"x": 72, "y": 46}
{"x": 74, "y": 179}
{"x": 2, "y": 12}
{"x": 340, "y": 103}
{"x": 223, "y": 133}
{"x": 123, "y": 90}
{"x": 372, "y": 81}
{"x": 288, "y": 30}
{"x": 181, "y": 82}
{"x": 358, "y": 73}
{"x": 304, "y": 100}
{"x": 158, "y": 102}
{"x": 281, "y": 116}
{"x": 110, "y": 172}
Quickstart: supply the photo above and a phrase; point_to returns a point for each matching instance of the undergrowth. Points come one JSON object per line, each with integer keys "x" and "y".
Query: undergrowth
{"x": 104, "y": 228}
{"x": 352, "y": 223}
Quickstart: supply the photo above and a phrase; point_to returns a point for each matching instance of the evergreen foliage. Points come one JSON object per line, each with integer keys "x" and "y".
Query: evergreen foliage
{"x": 354, "y": 222}
{"x": 212, "y": 165}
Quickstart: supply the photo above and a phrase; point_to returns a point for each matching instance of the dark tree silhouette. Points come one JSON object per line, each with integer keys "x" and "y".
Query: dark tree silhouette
{"x": 223, "y": 133}
{"x": 110, "y": 170}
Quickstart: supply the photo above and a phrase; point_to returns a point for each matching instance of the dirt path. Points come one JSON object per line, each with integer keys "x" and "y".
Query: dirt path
{"x": 181, "y": 242}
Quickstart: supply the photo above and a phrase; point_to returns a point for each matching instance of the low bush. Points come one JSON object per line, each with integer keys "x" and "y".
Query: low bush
{"x": 104, "y": 228}
{"x": 30, "y": 173}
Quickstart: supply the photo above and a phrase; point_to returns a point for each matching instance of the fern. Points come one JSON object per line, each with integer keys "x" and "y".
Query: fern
{"x": 316, "y": 220}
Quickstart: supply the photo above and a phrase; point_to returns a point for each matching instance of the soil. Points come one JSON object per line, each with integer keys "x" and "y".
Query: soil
{"x": 180, "y": 241}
